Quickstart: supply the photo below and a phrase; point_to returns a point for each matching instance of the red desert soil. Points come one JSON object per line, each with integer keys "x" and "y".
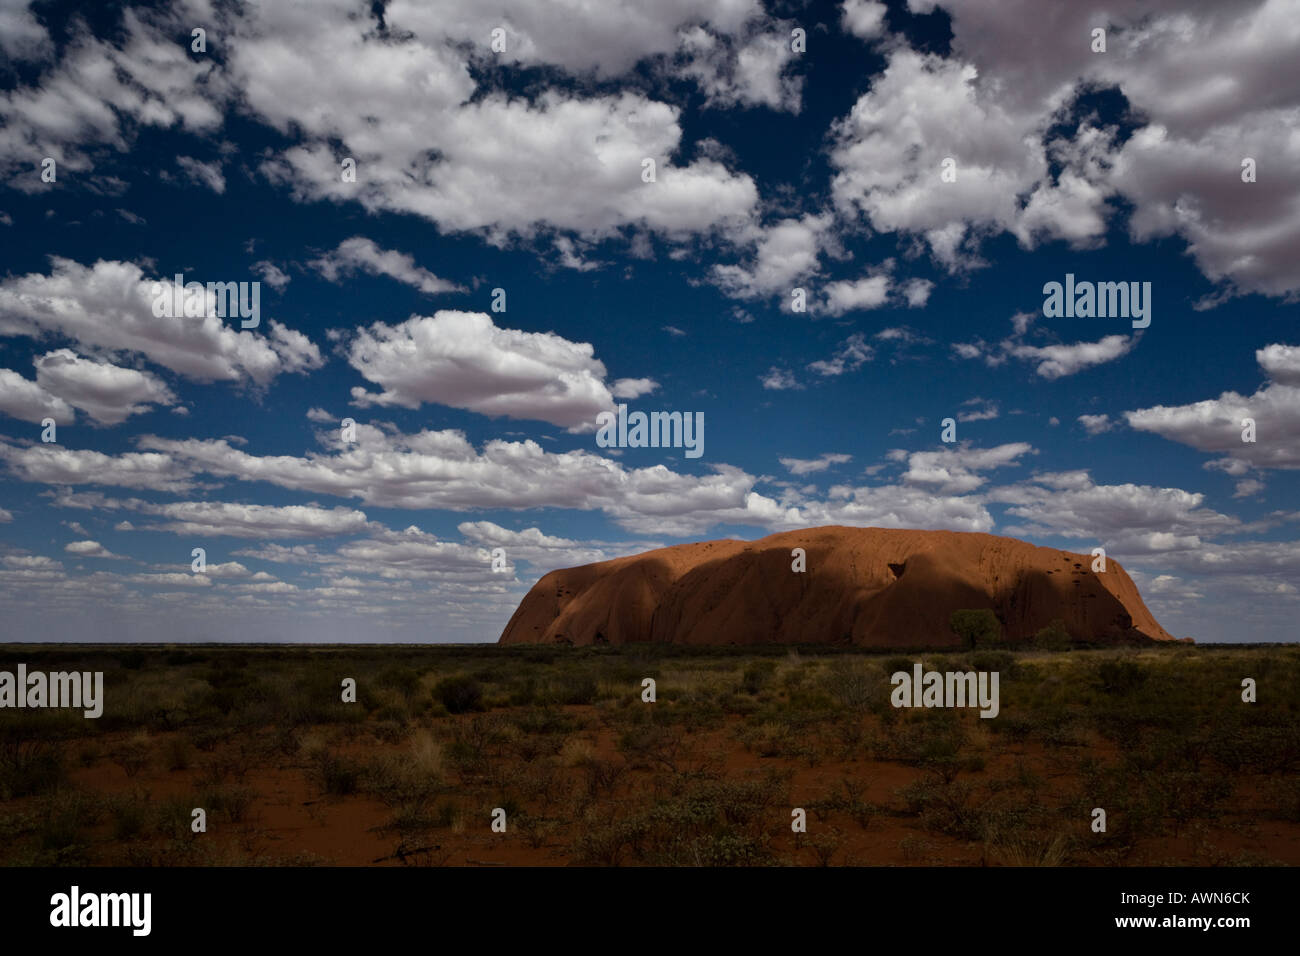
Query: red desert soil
{"x": 872, "y": 587}
{"x": 289, "y": 817}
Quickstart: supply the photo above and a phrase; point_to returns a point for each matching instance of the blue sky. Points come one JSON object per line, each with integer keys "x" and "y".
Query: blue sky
{"x": 776, "y": 169}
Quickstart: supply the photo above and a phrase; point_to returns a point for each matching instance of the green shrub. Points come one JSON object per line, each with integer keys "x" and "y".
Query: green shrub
{"x": 978, "y": 628}
{"x": 390, "y": 731}
{"x": 608, "y": 844}
{"x": 62, "y": 821}
{"x": 404, "y": 680}
{"x": 129, "y": 814}
{"x": 523, "y": 694}
{"x": 853, "y": 684}
{"x": 134, "y": 756}
{"x": 338, "y": 776}
{"x": 577, "y": 689}
{"x": 29, "y": 767}
{"x": 173, "y": 818}
{"x": 459, "y": 694}
{"x": 230, "y": 801}
{"x": 544, "y": 720}
{"x": 1118, "y": 676}
{"x": 1004, "y": 662}
{"x": 757, "y": 675}
{"x": 1054, "y": 637}
{"x": 178, "y": 753}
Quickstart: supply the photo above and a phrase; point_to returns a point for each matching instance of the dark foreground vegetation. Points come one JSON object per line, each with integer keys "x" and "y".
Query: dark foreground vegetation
{"x": 587, "y": 773}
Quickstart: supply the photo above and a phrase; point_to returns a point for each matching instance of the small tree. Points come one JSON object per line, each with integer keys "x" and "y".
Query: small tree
{"x": 1054, "y": 637}
{"x": 978, "y": 628}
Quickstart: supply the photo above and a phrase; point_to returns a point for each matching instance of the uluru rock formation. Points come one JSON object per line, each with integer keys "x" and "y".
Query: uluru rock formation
{"x": 872, "y": 587}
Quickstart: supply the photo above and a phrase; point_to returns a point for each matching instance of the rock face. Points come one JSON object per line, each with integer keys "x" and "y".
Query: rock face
{"x": 873, "y": 587}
